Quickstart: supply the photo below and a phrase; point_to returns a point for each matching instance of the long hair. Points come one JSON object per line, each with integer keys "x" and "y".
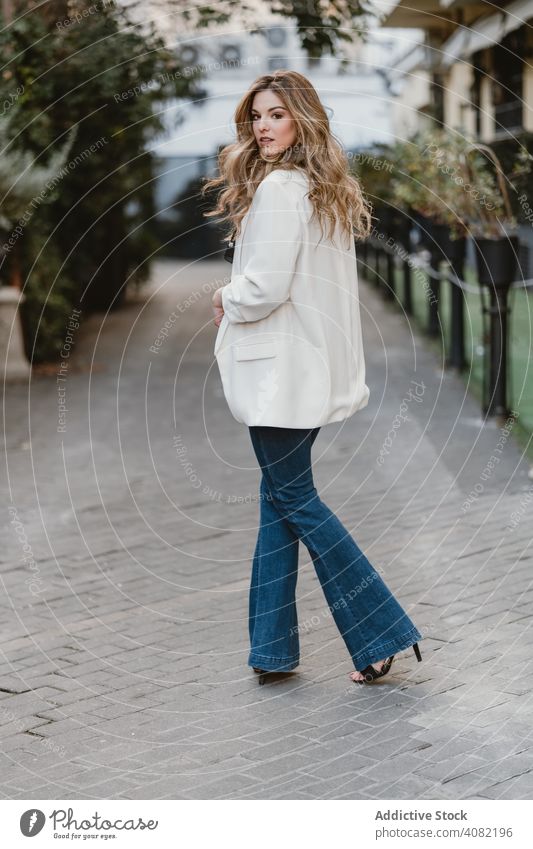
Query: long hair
{"x": 335, "y": 194}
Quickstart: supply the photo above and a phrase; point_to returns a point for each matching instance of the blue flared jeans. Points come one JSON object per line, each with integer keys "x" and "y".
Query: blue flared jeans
{"x": 371, "y": 622}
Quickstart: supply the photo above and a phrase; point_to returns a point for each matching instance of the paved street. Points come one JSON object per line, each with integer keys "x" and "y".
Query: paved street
{"x": 129, "y": 527}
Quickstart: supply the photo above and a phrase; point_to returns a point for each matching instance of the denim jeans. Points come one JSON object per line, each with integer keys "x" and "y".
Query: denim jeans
{"x": 371, "y": 622}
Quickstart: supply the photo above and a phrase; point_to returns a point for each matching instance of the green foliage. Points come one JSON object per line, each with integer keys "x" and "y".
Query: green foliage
{"x": 109, "y": 78}
{"x": 321, "y": 26}
{"x": 49, "y": 293}
{"x": 466, "y": 185}
{"x": 374, "y": 168}
{"x": 448, "y": 178}
{"x": 516, "y": 158}
{"x": 22, "y": 180}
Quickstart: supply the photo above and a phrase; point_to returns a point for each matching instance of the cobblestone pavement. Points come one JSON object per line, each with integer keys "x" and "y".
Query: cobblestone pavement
{"x": 128, "y": 544}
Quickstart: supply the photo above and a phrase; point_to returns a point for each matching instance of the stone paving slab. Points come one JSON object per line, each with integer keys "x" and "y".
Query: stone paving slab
{"x": 123, "y": 614}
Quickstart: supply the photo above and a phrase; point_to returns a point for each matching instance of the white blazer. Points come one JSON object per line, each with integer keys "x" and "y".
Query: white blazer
{"x": 289, "y": 347}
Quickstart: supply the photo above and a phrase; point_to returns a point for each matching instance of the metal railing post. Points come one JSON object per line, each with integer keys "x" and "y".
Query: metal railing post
{"x": 456, "y": 358}
{"x": 499, "y": 314}
{"x": 434, "y": 288}
{"x": 389, "y": 287}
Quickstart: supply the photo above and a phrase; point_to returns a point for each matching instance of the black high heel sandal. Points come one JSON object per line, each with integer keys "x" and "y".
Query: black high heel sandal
{"x": 264, "y": 672}
{"x": 371, "y": 673}
{"x": 261, "y": 673}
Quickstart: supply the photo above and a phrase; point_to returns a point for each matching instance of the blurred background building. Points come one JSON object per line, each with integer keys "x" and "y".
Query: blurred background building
{"x": 465, "y": 64}
{"x": 355, "y": 93}
{"x": 164, "y": 103}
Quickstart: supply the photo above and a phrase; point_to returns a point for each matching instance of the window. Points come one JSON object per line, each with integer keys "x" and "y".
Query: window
{"x": 508, "y": 73}
{"x": 276, "y": 36}
{"x": 275, "y": 62}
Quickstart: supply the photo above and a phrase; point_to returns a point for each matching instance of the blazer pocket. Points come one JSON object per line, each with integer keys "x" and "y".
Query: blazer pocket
{"x": 257, "y": 351}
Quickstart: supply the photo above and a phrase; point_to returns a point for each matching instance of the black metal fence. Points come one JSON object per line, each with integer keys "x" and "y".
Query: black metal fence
{"x": 407, "y": 255}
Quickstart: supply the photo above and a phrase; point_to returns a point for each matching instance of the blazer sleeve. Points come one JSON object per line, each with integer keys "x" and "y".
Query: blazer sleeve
{"x": 274, "y": 237}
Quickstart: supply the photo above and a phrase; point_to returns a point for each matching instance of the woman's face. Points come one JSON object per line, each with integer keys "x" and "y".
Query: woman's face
{"x": 271, "y": 119}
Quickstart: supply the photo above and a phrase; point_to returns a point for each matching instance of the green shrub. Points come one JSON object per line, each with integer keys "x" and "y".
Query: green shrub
{"x": 109, "y": 78}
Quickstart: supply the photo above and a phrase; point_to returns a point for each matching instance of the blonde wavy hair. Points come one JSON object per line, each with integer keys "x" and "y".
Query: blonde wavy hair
{"x": 335, "y": 193}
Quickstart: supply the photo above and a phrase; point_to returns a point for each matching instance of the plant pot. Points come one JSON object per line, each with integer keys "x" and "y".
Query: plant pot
{"x": 425, "y": 229}
{"x": 383, "y": 216}
{"x": 401, "y": 226}
{"x": 452, "y": 249}
{"x": 13, "y": 358}
{"x": 497, "y": 260}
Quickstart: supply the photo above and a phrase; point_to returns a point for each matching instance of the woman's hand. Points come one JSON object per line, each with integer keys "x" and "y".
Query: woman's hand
{"x": 218, "y": 309}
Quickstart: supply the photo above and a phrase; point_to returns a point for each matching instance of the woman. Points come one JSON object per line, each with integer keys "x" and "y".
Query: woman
{"x": 290, "y": 355}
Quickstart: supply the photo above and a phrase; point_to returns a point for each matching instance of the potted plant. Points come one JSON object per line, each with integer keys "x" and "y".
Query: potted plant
{"x": 495, "y": 233}
{"x": 408, "y": 187}
{"x": 492, "y": 224}
{"x": 428, "y": 189}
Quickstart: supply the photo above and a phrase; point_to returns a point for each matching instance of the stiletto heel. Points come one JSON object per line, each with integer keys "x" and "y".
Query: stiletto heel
{"x": 262, "y": 674}
{"x": 371, "y": 673}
